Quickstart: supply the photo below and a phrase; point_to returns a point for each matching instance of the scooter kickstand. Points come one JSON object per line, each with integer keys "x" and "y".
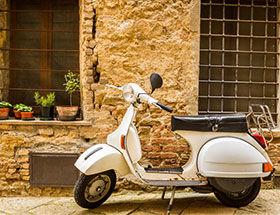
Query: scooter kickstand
{"x": 171, "y": 201}
{"x": 163, "y": 193}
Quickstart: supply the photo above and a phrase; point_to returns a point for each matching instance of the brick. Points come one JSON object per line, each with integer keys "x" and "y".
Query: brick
{"x": 153, "y": 155}
{"x": 175, "y": 148}
{"x": 151, "y": 148}
{"x": 24, "y": 172}
{"x": 150, "y": 122}
{"x": 164, "y": 141}
{"x": 168, "y": 155}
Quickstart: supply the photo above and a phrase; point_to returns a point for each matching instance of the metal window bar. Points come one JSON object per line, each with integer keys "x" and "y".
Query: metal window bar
{"x": 269, "y": 69}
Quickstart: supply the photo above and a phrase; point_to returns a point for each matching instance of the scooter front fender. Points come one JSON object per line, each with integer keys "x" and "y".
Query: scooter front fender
{"x": 100, "y": 158}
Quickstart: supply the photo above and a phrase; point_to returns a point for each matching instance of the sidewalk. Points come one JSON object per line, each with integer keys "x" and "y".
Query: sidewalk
{"x": 135, "y": 203}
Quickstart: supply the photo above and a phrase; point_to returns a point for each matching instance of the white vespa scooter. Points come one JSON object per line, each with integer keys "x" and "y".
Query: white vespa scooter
{"x": 225, "y": 158}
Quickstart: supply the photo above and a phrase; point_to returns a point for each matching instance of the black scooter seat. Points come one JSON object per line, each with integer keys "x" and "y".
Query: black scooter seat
{"x": 216, "y": 123}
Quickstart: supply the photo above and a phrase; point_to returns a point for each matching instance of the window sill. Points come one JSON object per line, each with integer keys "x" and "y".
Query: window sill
{"x": 37, "y": 121}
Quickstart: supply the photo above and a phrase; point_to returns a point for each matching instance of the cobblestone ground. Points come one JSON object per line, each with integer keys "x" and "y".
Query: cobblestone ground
{"x": 135, "y": 203}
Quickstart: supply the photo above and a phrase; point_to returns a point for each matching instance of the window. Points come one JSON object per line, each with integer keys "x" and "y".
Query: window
{"x": 238, "y": 55}
{"x": 43, "y": 46}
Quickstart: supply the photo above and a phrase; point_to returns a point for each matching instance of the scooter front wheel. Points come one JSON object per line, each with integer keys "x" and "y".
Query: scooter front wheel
{"x": 92, "y": 190}
{"x": 239, "y": 199}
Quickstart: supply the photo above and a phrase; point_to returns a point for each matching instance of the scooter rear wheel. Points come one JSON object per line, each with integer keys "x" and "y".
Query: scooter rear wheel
{"x": 239, "y": 199}
{"x": 92, "y": 190}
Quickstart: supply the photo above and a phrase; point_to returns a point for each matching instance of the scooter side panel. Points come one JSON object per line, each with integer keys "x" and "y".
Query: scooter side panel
{"x": 230, "y": 157}
{"x": 100, "y": 158}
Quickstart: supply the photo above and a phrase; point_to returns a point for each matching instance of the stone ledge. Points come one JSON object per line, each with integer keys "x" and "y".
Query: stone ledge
{"x": 40, "y": 122}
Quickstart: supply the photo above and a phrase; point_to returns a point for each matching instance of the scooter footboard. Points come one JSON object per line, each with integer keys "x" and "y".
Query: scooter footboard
{"x": 231, "y": 158}
{"x": 100, "y": 158}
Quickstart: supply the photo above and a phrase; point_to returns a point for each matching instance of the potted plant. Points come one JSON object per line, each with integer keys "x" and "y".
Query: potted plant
{"x": 4, "y": 110}
{"x": 46, "y": 104}
{"x": 17, "y": 108}
{"x": 72, "y": 83}
{"x": 26, "y": 112}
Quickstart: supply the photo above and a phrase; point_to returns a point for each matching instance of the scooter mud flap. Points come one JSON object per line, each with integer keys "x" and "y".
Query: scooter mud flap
{"x": 229, "y": 157}
{"x": 100, "y": 158}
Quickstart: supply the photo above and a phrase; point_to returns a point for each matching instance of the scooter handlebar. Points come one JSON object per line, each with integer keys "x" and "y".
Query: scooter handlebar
{"x": 164, "y": 107}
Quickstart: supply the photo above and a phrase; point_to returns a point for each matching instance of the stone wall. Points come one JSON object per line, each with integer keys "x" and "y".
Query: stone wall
{"x": 135, "y": 39}
{"x": 17, "y": 140}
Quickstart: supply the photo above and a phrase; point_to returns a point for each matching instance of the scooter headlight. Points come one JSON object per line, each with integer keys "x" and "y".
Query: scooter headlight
{"x": 128, "y": 93}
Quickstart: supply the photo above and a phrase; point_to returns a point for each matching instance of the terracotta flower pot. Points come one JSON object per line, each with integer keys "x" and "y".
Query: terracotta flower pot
{"x": 26, "y": 115}
{"x": 17, "y": 114}
{"x": 4, "y": 113}
{"x": 67, "y": 113}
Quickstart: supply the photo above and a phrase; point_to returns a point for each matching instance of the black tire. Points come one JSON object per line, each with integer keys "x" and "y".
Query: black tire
{"x": 91, "y": 191}
{"x": 239, "y": 199}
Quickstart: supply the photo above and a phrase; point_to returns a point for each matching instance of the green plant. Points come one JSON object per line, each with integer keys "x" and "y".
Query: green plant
{"x": 4, "y": 104}
{"x": 18, "y": 106}
{"x": 25, "y": 108}
{"x": 48, "y": 100}
{"x": 72, "y": 83}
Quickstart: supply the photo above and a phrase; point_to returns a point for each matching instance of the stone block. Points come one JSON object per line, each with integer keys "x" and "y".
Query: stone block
{"x": 92, "y": 44}
{"x": 112, "y": 100}
{"x": 103, "y": 81}
{"x": 13, "y": 176}
{"x": 46, "y": 132}
{"x": 89, "y": 15}
{"x": 25, "y": 165}
{"x": 23, "y": 152}
{"x": 24, "y": 172}
{"x": 11, "y": 171}
{"x": 89, "y": 51}
{"x": 87, "y": 132}
{"x": 61, "y": 132}
{"x": 6, "y": 127}
{"x": 150, "y": 122}
{"x": 23, "y": 159}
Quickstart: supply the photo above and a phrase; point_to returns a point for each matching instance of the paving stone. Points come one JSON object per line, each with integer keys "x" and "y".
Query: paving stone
{"x": 20, "y": 205}
{"x": 207, "y": 205}
{"x": 61, "y": 206}
{"x": 139, "y": 203}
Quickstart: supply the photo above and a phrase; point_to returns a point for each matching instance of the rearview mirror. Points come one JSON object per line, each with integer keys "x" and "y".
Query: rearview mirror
{"x": 156, "y": 81}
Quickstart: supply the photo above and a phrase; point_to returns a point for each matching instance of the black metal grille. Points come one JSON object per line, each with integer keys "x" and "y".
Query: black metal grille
{"x": 238, "y": 55}
{"x": 53, "y": 169}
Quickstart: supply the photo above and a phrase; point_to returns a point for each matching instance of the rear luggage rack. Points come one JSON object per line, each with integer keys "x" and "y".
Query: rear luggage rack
{"x": 261, "y": 120}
